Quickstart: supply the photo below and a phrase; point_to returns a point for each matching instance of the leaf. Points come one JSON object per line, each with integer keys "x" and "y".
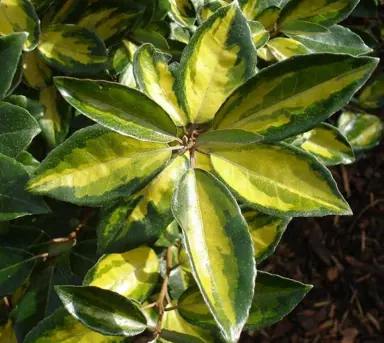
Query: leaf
{"x": 322, "y": 12}
{"x": 17, "y": 129}
{"x": 10, "y": 52}
{"x": 111, "y": 19}
{"x": 179, "y": 33}
{"x": 274, "y": 298}
{"x": 210, "y": 8}
{"x": 133, "y": 223}
{"x": 372, "y": 96}
{"x": 182, "y": 12}
{"x": 14, "y": 200}
{"x": 73, "y": 49}
{"x": 155, "y": 79}
{"x": 103, "y": 311}
{"x": 119, "y": 59}
{"x": 15, "y": 267}
{"x": 132, "y": 274}
{"x": 216, "y": 238}
{"x": 329, "y": 146}
{"x": 121, "y": 109}
{"x": 283, "y": 48}
{"x": 179, "y": 281}
{"x": 266, "y": 232}
{"x": 61, "y": 327}
{"x": 148, "y": 35}
{"x": 340, "y": 40}
{"x": 127, "y": 78}
{"x": 36, "y": 73}
{"x": 268, "y": 17}
{"x": 20, "y": 16}
{"x": 7, "y": 334}
{"x": 57, "y": 116}
{"x": 252, "y": 8}
{"x": 96, "y": 166}
{"x": 299, "y": 27}
{"x": 169, "y": 235}
{"x": 219, "y": 58}
{"x": 363, "y": 131}
{"x": 83, "y": 257}
{"x": 282, "y": 181}
{"x": 35, "y": 109}
{"x": 293, "y": 96}
{"x": 259, "y": 34}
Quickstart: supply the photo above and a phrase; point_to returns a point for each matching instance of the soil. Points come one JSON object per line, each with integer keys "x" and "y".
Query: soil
{"x": 343, "y": 258}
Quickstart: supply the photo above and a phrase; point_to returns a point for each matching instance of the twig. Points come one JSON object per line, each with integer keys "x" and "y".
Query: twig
{"x": 346, "y": 183}
{"x": 365, "y": 209}
{"x": 87, "y": 214}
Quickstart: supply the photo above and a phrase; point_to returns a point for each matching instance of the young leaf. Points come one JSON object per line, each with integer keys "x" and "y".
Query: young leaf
{"x": 282, "y": 48}
{"x": 11, "y": 47}
{"x": 96, "y": 166}
{"x": 17, "y": 129}
{"x": 221, "y": 46}
{"x": 15, "y": 267}
{"x": 61, "y": 327}
{"x": 282, "y": 181}
{"x": 216, "y": 238}
{"x": 293, "y": 96}
{"x": 121, "y": 109}
{"x": 20, "y": 16}
{"x": 340, "y": 40}
{"x": 103, "y": 311}
{"x": 14, "y": 200}
{"x": 57, "y": 116}
{"x": 73, "y": 49}
{"x": 132, "y": 274}
{"x": 322, "y": 12}
{"x": 266, "y": 232}
{"x": 154, "y": 78}
{"x": 112, "y": 18}
{"x": 363, "y": 131}
{"x": 329, "y": 146}
{"x": 259, "y": 34}
{"x": 274, "y": 298}
{"x": 131, "y": 224}
{"x": 36, "y": 73}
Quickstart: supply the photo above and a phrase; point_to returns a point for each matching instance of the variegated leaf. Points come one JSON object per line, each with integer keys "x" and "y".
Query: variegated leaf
{"x": 216, "y": 238}
{"x": 73, "y": 49}
{"x": 372, "y": 96}
{"x": 183, "y": 12}
{"x": 282, "y": 180}
{"x": 268, "y": 17}
{"x": 36, "y": 73}
{"x": 20, "y": 16}
{"x": 95, "y": 166}
{"x": 283, "y": 48}
{"x": 259, "y": 34}
{"x": 140, "y": 221}
{"x": 219, "y": 58}
{"x": 119, "y": 108}
{"x": 293, "y": 96}
{"x": 154, "y": 78}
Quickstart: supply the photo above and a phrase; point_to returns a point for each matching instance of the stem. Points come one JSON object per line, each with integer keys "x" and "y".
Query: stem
{"x": 73, "y": 235}
{"x": 163, "y": 293}
{"x": 192, "y": 158}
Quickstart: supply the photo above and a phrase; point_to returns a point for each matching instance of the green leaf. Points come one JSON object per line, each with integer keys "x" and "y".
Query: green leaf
{"x": 61, "y": 327}
{"x": 111, "y": 19}
{"x": 11, "y": 47}
{"x": 83, "y": 257}
{"x": 220, "y": 57}
{"x": 282, "y": 181}
{"x": 121, "y": 109}
{"x": 274, "y": 298}
{"x": 36, "y": 73}
{"x": 103, "y": 311}
{"x": 293, "y": 96}
{"x": 14, "y": 200}
{"x": 299, "y": 27}
{"x": 322, "y": 12}
{"x": 340, "y": 40}
{"x": 17, "y": 129}
{"x": 57, "y": 116}
{"x": 154, "y": 78}
{"x": 119, "y": 59}
{"x": 73, "y": 49}
{"x": 148, "y": 35}
{"x": 266, "y": 232}
{"x": 259, "y": 34}
{"x": 20, "y": 16}
{"x": 268, "y": 17}
{"x": 182, "y": 12}
{"x": 34, "y": 107}
{"x": 329, "y": 146}
{"x": 15, "y": 267}
{"x": 130, "y": 224}
{"x": 91, "y": 167}
{"x": 216, "y": 238}
{"x": 363, "y": 131}
{"x": 372, "y": 96}
{"x": 132, "y": 274}
{"x": 283, "y": 48}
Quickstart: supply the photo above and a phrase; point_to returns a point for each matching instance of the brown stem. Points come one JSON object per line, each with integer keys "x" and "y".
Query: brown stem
{"x": 163, "y": 293}
{"x": 83, "y": 222}
{"x": 192, "y": 158}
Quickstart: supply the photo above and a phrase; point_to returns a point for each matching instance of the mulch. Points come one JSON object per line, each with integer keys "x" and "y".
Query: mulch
{"x": 343, "y": 258}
